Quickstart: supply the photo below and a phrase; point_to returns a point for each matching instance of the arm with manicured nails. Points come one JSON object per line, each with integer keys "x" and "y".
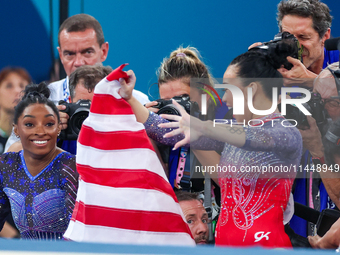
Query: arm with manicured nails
{"x": 193, "y": 129}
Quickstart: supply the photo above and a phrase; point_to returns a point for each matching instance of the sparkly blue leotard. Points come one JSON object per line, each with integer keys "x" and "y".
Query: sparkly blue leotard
{"x": 41, "y": 205}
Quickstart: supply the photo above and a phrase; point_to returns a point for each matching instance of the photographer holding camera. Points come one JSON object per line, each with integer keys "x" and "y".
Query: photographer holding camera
{"x": 177, "y": 77}
{"x": 82, "y": 83}
{"x": 174, "y": 76}
{"x": 174, "y": 81}
{"x": 331, "y": 180}
{"x": 317, "y": 190}
{"x": 310, "y": 22}
{"x": 326, "y": 85}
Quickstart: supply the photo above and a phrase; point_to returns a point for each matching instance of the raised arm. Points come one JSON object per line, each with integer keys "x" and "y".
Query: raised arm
{"x": 125, "y": 92}
{"x": 276, "y": 137}
{"x": 143, "y": 115}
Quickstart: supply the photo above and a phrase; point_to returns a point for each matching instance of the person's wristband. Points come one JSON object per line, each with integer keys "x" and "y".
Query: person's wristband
{"x": 318, "y": 161}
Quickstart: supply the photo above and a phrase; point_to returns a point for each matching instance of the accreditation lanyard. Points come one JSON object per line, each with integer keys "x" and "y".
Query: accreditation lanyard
{"x": 66, "y": 92}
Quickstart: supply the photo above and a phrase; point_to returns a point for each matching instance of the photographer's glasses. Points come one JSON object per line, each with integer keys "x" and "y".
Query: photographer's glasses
{"x": 336, "y": 75}
{"x": 332, "y": 102}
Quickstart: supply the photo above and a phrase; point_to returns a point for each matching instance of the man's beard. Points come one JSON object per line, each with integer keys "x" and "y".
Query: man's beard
{"x": 201, "y": 238}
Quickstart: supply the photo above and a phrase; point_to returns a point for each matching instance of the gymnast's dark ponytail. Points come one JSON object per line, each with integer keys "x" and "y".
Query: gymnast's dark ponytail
{"x": 261, "y": 65}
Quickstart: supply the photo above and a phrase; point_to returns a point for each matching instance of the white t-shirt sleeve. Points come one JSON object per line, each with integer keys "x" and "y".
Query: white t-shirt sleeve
{"x": 11, "y": 139}
{"x": 57, "y": 92}
{"x": 140, "y": 96}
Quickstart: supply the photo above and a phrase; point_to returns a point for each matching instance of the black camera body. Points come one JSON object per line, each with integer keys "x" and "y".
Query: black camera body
{"x": 285, "y": 39}
{"x": 315, "y": 106}
{"x": 167, "y": 107}
{"x": 77, "y": 113}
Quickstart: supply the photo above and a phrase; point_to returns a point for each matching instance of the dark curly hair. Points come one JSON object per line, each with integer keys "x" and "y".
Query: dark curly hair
{"x": 35, "y": 94}
{"x": 261, "y": 66}
{"x": 318, "y": 11}
{"x": 185, "y": 196}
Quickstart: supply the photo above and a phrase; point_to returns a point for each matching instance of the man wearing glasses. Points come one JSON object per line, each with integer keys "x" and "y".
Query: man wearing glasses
{"x": 325, "y": 85}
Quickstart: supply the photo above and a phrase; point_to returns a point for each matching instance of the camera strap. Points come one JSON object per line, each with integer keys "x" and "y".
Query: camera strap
{"x": 66, "y": 93}
{"x": 183, "y": 170}
{"x": 208, "y": 205}
{"x": 306, "y": 213}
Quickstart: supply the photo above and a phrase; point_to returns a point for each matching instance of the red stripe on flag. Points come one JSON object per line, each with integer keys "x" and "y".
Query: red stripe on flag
{"x": 125, "y": 178}
{"x": 75, "y": 211}
{"x": 108, "y": 104}
{"x": 117, "y": 140}
{"x": 118, "y": 73}
{"x": 131, "y": 219}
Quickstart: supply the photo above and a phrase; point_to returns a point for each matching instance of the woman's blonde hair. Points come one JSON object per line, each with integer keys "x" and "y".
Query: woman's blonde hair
{"x": 183, "y": 64}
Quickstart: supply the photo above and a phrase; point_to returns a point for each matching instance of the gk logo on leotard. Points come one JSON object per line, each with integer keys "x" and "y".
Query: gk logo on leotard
{"x": 260, "y": 235}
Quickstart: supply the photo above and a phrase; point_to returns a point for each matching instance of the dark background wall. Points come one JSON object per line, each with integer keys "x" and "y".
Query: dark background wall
{"x": 142, "y": 33}
{"x": 24, "y": 39}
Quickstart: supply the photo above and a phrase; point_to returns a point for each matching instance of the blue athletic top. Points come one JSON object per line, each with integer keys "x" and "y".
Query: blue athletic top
{"x": 41, "y": 205}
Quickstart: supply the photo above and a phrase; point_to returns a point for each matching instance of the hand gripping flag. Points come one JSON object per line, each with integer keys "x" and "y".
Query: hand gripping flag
{"x": 123, "y": 196}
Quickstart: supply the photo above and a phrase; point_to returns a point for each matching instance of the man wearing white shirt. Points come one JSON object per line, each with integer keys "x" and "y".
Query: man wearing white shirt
{"x": 81, "y": 42}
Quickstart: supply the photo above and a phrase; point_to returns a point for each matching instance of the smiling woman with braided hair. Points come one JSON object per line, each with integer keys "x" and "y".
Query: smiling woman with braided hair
{"x": 39, "y": 183}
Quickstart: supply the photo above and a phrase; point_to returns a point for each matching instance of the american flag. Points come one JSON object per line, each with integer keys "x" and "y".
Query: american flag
{"x": 124, "y": 196}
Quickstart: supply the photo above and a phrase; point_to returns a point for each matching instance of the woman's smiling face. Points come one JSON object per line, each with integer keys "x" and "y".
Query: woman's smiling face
{"x": 38, "y": 128}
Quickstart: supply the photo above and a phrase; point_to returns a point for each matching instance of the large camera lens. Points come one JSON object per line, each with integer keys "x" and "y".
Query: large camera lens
{"x": 78, "y": 118}
{"x": 169, "y": 109}
{"x": 314, "y": 106}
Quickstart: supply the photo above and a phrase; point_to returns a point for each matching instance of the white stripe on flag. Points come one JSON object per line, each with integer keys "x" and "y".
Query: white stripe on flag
{"x": 99, "y": 234}
{"x": 143, "y": 199}
{"x": 120, "y": 159}
{"x": 108, "y": 87}
{"x": 111, "y": 123}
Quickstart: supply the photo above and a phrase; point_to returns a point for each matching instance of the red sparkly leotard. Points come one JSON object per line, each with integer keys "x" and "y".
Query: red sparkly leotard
{"x": 255, "y": 181}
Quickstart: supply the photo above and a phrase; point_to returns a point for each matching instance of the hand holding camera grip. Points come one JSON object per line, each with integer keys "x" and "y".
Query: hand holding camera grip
{"x": 62, "y": 107}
